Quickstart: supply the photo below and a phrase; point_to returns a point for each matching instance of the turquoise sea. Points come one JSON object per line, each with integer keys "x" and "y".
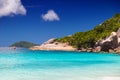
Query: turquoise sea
{"x": 23, "y": 64}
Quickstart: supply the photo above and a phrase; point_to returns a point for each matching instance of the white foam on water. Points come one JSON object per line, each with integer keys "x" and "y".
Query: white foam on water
{"x": 110, "y": 78}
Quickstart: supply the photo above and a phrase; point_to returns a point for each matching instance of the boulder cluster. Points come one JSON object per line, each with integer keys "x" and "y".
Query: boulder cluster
{"x": 111, "y": 43}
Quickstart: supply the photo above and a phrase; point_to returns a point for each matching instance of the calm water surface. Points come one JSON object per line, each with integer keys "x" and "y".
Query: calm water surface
{"x": 24, "y": 64}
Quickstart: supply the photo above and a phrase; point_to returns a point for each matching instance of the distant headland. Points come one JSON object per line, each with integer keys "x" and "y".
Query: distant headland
{"x": 23, "y": 44}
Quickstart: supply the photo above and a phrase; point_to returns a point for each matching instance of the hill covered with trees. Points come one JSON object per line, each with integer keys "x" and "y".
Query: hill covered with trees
{"x": 23, "y": 44}
{"x": 89, "y": 38}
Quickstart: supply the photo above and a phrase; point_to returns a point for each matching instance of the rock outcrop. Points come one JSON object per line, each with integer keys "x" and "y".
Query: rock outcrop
{"x": 53, "y": 45}
{"x": 118, "y": 36}
{"x": 96, "y": 49}
{"x": 111, "y": 43}
{"x": 117, "y": 50}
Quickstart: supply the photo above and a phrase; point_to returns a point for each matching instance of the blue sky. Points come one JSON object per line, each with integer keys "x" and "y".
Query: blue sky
{"x": 39, "y": 20}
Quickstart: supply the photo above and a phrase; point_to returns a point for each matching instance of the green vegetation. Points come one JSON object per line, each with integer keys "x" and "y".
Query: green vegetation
{"x": 88, "y": 38}
{"x": 23, "y": 44}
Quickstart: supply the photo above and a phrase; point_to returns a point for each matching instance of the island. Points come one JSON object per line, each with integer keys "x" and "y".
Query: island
{"x": 23, "y": 44}
{"x": 104, "y": 37}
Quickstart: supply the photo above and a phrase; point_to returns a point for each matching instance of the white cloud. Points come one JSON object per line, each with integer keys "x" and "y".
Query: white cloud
{"x": 11, "y": 7}
{"x": 50, "y": 16}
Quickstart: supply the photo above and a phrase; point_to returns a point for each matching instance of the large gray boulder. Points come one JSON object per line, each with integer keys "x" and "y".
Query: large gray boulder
{"x": 109, "y": 43}
{"x": 118, "y": 36}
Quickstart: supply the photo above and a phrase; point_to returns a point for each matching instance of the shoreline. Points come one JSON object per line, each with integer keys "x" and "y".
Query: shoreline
{"x": 100, "y": 46}
{"x": 101, "y": 52}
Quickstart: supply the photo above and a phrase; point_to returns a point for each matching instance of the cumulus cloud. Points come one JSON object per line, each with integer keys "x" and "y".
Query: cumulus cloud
{"x": 50, "y": 16}
{"x": 11, "y": 7}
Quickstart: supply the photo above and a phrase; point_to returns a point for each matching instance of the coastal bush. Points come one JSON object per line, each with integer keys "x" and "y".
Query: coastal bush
{"x": 89, "y": 38}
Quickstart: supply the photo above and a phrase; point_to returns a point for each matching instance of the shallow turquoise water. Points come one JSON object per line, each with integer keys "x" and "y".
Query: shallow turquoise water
{"x": 58, "y": 65}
